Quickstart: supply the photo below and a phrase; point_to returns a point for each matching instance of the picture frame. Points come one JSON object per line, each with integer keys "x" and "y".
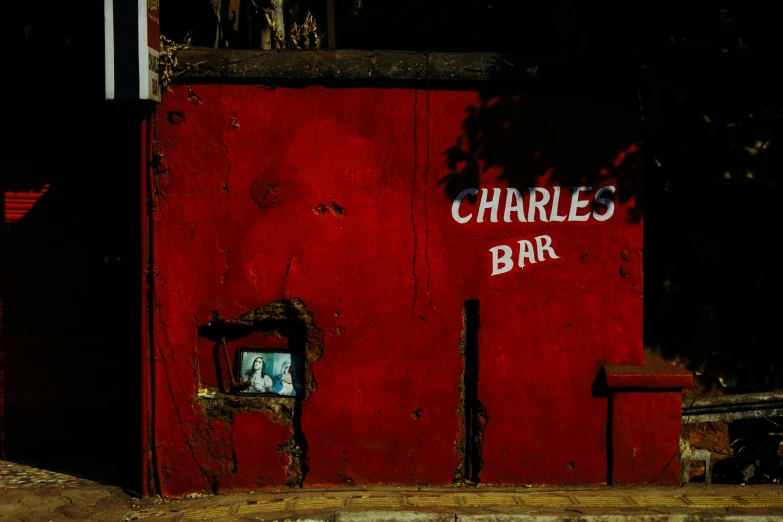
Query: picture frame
{"x": 278, "y": 374}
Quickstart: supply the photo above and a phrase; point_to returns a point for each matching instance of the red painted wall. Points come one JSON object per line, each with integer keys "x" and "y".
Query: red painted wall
{"x": 337, "y": 197}
{"x": 644, "y": 452}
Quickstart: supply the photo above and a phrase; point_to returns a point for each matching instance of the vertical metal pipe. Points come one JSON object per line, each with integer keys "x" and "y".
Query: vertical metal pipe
{"x": 145, "y": 327}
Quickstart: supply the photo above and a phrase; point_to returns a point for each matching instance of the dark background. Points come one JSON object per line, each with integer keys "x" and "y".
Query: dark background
{"x": 706, "y": 77}
{"x": 69, "y": 268}
{"x": 710, "y": 107}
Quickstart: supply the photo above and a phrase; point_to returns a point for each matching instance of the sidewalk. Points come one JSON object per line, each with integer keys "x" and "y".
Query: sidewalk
{"x": 27, "y": 494}
{"x": 30, "y": 494}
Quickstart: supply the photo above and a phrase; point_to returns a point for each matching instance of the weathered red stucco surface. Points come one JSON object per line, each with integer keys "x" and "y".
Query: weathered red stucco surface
{"x": 646, "y": 407}
{"x": 643, "y": 451}
{"x": 333, "y": 196}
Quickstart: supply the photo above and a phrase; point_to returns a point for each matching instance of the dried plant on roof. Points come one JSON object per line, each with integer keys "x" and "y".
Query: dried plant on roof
{"x": 304, "y": 36}
{"x": 168, "y": 58}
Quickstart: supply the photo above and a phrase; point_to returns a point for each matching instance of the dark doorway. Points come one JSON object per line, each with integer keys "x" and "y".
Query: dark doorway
{"x": 69, "y": 253}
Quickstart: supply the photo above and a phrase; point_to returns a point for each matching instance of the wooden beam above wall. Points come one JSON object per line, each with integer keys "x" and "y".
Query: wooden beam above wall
{"x": 196, "y": 65}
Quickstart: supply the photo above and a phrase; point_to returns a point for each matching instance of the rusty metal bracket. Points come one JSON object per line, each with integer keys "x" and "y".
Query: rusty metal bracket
{"x": 235, "y": 386}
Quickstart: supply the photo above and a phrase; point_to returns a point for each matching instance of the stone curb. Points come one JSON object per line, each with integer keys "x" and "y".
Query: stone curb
{"x": 674, "y": 504}
{"x": 392, "y": 516}
{"x": 328, "y": 505}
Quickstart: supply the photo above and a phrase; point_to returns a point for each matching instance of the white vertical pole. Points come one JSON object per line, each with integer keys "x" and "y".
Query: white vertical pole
{"x": 144, "y": 72}
{"x": 108, "y": 46}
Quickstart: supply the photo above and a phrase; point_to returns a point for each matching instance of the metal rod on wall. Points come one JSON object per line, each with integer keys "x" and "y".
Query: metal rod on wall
{"x": 145, "y": 307}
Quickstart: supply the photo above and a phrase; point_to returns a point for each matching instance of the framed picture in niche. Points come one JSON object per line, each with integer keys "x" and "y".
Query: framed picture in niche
{"x": 269, "y": 373}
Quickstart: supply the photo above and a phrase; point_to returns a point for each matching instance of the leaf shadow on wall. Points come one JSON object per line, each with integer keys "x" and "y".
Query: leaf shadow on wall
{"x": 561, "y": 138}
{"x": 708, "y": 195}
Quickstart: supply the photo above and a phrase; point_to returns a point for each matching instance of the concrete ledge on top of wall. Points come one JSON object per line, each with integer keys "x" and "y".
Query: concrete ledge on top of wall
{"x": 344, "y": 65}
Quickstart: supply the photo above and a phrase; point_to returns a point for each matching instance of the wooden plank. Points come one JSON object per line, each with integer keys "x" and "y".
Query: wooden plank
{"x": 209, "y": 65}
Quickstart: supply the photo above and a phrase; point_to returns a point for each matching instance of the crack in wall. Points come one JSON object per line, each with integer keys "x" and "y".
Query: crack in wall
{"x": 285, "y": 276}
{"x": 228, "y": 161}
{"x": 226, "y": 252}
{"x": 470, "y": 439}
{"x": 295, "y": 448}
{"x": 207, "y": 476}
{"x": 264, "y": 194}
{"x": 426, "y": 211}
{"x": 160, "y": 173}
{"x": 413, "y": 200}
{"x": 459, "y": 443}
{"x": 334, "y": 208}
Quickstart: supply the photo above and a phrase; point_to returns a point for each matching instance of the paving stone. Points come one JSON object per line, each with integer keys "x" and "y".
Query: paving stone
{"x": 44, "y": 502}
{"x": 85, "y": 496}
{"x": 14, "y": 475}
{"x": 8, "y": 509}
{"x": 73, "y": 511}
{"x": 42, "y": 517}
{"x": 10, "y": 496}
